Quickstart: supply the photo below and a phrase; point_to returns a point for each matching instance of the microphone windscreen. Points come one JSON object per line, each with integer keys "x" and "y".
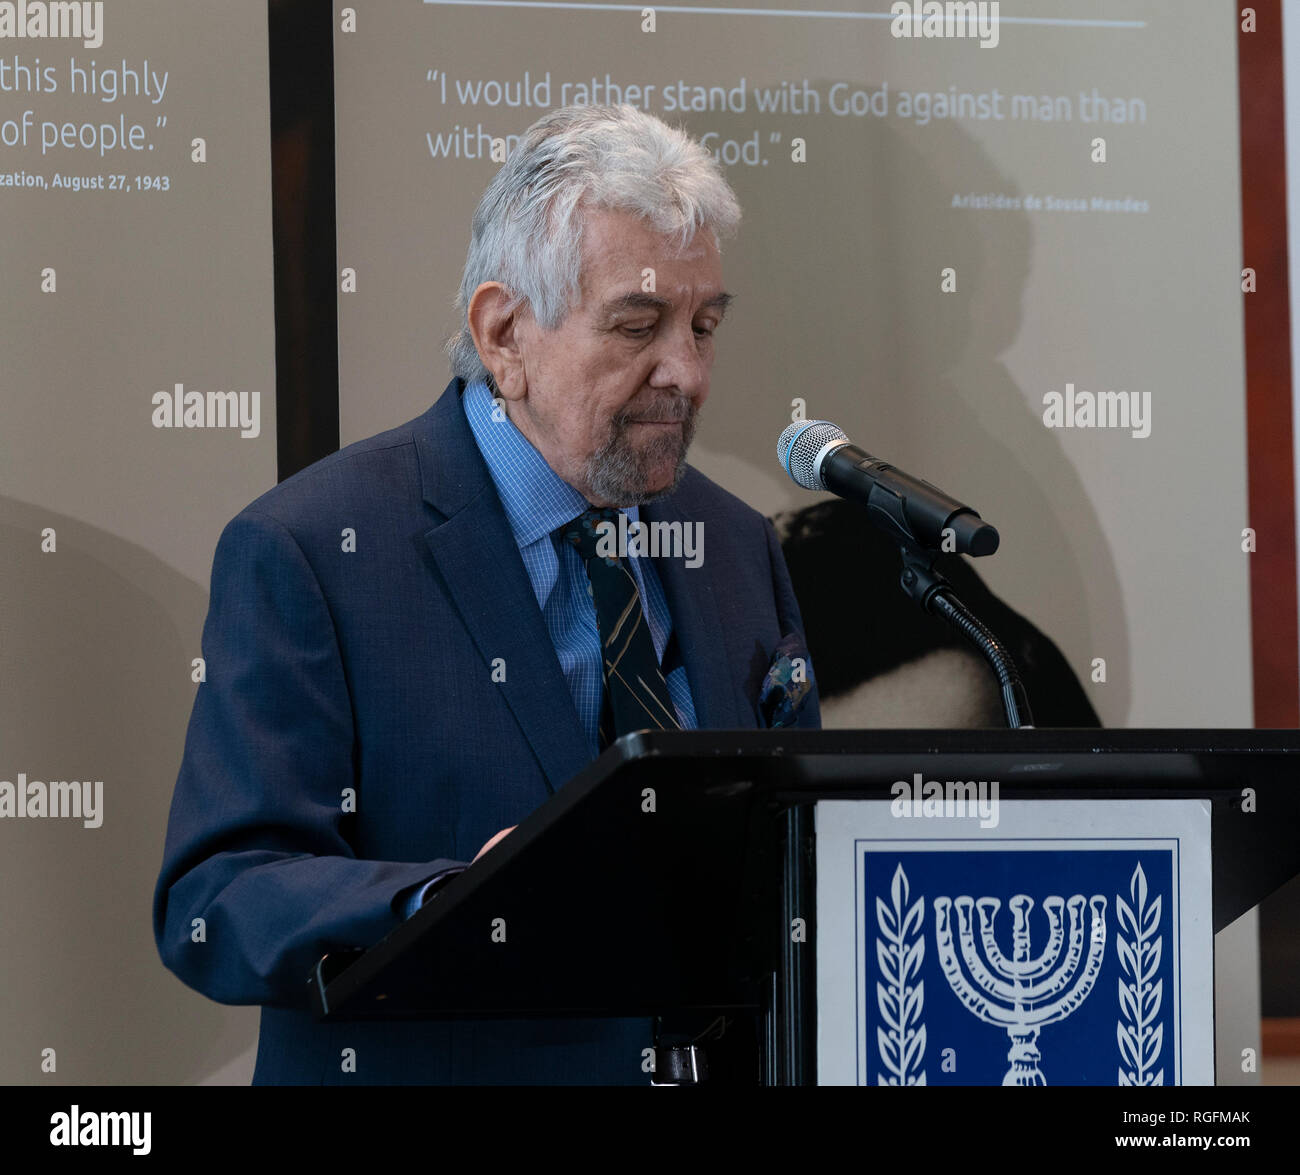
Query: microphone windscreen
{"x": 798, "y": 447}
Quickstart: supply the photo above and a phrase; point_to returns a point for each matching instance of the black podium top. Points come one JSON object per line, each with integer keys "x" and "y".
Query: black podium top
{"x": 647, "y": 883}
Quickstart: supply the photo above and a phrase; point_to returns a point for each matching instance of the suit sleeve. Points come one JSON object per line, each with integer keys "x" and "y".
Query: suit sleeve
{"x": 790, "y": 619}
{"x": 256, "y": 841}
{"x": 409, "y": 901}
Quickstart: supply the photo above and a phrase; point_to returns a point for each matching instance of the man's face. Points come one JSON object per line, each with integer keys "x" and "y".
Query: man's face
{"x": 610, "y": 396}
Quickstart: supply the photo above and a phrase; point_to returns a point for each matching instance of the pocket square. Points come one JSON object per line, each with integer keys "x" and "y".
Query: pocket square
{"x": 787, "y": 684}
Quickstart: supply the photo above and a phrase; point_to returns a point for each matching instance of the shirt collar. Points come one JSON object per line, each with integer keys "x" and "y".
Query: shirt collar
{"x": 537, "y": 500}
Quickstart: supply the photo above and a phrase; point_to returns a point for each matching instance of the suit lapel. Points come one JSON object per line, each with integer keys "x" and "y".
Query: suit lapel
{"x": 477, "y": 556}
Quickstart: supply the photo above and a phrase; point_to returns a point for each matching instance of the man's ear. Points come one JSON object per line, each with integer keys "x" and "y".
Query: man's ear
{"x": 495, "y": 331}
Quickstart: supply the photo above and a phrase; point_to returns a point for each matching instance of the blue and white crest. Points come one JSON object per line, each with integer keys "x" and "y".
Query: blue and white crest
{"x": 1000, "y": 957}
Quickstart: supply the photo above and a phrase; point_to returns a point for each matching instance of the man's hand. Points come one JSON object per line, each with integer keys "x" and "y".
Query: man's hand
{"x": 504, "y": 832}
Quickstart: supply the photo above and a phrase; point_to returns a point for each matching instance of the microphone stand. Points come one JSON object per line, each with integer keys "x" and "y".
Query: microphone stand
{"x": 934, "y": 593}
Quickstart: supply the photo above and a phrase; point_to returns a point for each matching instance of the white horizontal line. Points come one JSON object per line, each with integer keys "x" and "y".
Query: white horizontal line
{"x": 1061, "y": 22}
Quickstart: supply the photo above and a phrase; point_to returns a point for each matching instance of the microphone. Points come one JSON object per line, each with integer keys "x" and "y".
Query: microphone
{"x": 819, "y": 456}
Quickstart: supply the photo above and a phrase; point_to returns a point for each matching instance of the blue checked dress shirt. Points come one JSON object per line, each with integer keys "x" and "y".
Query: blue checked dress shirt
{"x": 537, "y": 501}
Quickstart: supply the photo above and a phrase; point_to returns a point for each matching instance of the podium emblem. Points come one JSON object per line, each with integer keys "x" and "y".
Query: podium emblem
{"x": 1067, "y": 987}
{"x": 1069, "y": 943}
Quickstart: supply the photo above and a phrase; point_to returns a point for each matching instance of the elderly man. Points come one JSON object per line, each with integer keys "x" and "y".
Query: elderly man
{"x": 413, "y": 643}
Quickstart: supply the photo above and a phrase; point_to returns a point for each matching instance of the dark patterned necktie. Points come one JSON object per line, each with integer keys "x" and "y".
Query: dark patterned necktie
{"x": 636, "y": 694}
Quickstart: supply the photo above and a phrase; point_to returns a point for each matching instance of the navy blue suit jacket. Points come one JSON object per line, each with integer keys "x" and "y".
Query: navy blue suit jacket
{"x": 329, "y": 670}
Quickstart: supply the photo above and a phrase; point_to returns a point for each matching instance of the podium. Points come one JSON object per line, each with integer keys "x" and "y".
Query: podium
{"x": 677, "y": 875}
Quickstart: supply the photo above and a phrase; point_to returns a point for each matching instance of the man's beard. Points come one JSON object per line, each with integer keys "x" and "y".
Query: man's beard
{"x": 620, "y": 472}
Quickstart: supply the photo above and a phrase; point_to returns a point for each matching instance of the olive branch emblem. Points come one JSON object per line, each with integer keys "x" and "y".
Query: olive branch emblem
{"x": 900, "y": 950}
{"x": 1140, "y": 1037}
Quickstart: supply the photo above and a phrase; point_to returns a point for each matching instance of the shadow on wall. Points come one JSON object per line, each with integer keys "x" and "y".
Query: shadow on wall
{"x": 913, "y": 374}
{"x": 98, "y": 638}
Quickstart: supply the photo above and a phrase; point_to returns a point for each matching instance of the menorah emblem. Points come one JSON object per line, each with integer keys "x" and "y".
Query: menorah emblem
{"x": 1021, "y": 994}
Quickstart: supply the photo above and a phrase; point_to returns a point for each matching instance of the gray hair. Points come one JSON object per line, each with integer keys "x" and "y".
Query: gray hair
{"x": 528, "y": 227}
